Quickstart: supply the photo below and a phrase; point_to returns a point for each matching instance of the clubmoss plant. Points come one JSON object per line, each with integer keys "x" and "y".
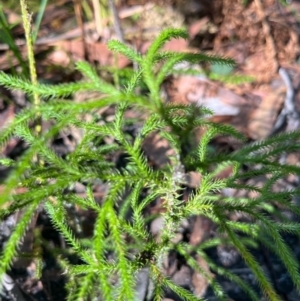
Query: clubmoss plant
{"x": 121, "y": 244}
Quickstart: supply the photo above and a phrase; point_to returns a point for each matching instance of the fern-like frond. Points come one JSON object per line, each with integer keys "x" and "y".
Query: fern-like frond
{"x": 218, "y": 290}
{"x": 13, "y": 242}
{"x": 255, "y": 149}
{"x": 232, "y": 277}
{"x": 98, "y": 83}
{"x": 181, "y": 292}
{"x": 159, "y": 42}
{"x": 262, "y": 279}
{"x": 57, "y": 215}
{"x": 47, "y": 91}
{"x": 119, "y": 47}
{"x": 86, "y": 287}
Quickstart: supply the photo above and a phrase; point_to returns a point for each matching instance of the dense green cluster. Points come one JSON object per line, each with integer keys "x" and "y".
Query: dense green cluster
{"x": 121, "y": 228}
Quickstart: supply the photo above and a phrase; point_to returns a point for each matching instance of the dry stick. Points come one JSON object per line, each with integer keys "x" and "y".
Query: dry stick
{"x": 97, "y": 16}
{"x": 267, "y": 32}
{"x": 78, "y": 14}
{"x": 293, "y": 117}
{"x": 117, "y": 25}
{"x": 118, "y": 28}
{"x": 288, "y": 114}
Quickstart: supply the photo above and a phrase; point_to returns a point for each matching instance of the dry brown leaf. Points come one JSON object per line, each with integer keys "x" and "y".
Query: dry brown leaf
{"x": 202, "y": 92}
{"x": 158, "y": 150}
{"x": 193, "y": 179}
{"x": 197, "y": 26}
{"x": 262, "y": 119}
{"x": 201, "y": 230}
{"x": 97, "y": 52}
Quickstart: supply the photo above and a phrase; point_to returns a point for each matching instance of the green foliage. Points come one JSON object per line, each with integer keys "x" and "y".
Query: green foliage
{"x": 121, "y": 245}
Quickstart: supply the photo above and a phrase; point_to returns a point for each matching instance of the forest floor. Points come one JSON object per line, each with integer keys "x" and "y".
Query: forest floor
{"x": 261, "y": 36}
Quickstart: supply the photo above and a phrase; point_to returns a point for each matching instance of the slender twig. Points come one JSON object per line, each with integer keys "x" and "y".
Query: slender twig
{"x": 289, "y": 113}
{"x": 117, "y": 25}
{"x": 78, "y": 14}
{"x": 97, "y": 16}
{"x": 289, "y": 98}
